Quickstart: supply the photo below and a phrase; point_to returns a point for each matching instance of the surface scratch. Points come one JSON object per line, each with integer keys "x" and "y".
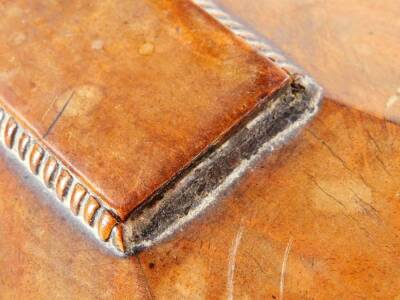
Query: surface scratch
{"x": 58, "y": 116}
{"x": 232, "y": 262}
{"x": 48, "y": 109}
{"x": 284, "y": 268}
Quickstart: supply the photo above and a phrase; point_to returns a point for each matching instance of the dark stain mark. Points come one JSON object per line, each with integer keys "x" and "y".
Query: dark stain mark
{"x": 58, "y": 115}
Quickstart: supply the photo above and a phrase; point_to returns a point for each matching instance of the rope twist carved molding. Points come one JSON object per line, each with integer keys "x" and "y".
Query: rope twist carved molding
{"x": 249, "y": 37}
{"x": 61, "y": 181}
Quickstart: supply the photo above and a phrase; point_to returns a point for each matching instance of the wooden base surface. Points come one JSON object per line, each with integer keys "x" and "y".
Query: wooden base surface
{"x": 319, "y": 219}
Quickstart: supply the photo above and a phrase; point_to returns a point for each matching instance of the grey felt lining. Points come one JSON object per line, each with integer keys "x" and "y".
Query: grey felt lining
{"x": 199, "y": 187}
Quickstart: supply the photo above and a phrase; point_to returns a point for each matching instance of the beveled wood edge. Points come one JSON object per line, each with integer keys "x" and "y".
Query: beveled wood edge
{"x": 58, "y": 179}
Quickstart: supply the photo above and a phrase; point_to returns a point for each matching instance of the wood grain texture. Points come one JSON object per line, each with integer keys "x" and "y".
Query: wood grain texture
{"x": 126, "y": 94}
{"x": 350, "y": 47}
{"x": 317, "y": 220}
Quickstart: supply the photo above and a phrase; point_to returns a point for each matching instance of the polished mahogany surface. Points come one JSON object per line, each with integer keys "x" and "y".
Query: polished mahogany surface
{"x": 127, "y": 93}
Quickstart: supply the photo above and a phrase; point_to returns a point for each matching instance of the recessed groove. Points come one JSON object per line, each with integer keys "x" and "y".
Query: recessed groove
{"x": 63, "y": 184}
{"x": 50, "y": 171}
{"x": 78, "y": 195}
{"x": 36, "y": 158}
{"x": 90, "y": 208}
{"x": 105, "y": 225}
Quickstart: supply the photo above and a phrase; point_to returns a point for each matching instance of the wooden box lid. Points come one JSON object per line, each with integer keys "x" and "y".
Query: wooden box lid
{"x": 126, "y": 93}
{"x": 136, "y": 114}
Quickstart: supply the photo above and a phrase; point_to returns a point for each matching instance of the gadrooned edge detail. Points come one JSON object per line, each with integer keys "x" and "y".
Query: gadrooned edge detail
{"x": 41, "y": 163}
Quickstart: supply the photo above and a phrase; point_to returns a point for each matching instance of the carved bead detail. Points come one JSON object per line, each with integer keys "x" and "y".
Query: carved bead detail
{"x": 105, "y": 225}
{"x": 118, "y": 240}
{"x": 49, "y": 171}
{"x": 89, "y": 210}
{"x": 78, "y": 195}
{"x": 23, "y": 145}
{"x": 63, "y": 184}
{"x": 35, "y": 159}
{"x": 10, "y": 131}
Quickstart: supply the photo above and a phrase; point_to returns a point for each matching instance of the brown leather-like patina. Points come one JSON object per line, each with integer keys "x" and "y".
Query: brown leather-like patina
{"x": 127, "y": 93}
